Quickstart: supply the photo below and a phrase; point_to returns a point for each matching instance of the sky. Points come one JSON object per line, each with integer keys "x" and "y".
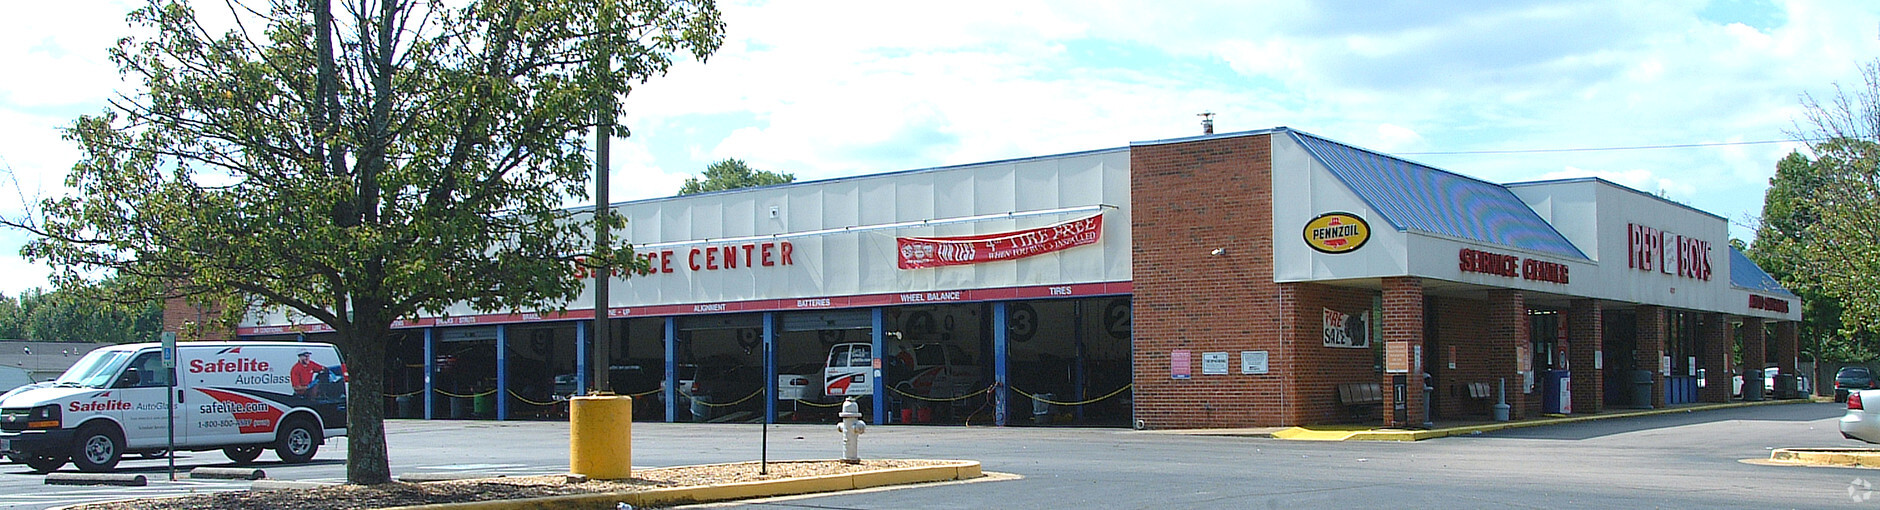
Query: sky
{"x": 827, "y": 89}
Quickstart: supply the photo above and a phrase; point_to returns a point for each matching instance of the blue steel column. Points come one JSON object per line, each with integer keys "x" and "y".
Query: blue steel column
{"x": 999, "y": 358}
{"x": 770, "y": 367}
{"x": 880, "y": 388}
{"x": 430, "y": 372}
{"x": 502, "y": 373}
{"x": 671, "y": 390}
{"x": 581, "y": 357}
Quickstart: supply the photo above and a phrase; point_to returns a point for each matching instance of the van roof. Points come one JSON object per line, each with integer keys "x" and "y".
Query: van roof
{"x": 212, "y": 344}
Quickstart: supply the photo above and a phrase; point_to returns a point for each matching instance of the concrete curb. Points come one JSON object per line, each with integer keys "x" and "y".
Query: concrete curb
{"x": 952, "y": 470}
{"x": 1843, "y": 457}
{"x": 217, "y": 473}
{"x": 125, "y": 480}
{"x": 1349, "y": 434}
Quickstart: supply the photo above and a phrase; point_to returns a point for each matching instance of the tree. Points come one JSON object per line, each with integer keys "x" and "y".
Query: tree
{"x": 391, "y": 161}
{"x": 1783, "y": 243}
{"x": 76, "y": 315}
{"x": 1842, "y": 245}
{"x": 733, "y": 174}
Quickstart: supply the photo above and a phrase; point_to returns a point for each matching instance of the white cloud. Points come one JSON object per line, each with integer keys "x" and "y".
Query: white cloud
{"x": 830, "y": 89}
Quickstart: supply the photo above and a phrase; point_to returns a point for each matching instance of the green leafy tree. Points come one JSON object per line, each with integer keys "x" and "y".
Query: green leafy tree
{"x": 1783, "y": 243}
{"x": 732, "y": 174}
{"x": 1841, "y": 247}
{"x": 75, "y": 315}
{"x": 359, "y": 164}
{"x": 12, "y": 319}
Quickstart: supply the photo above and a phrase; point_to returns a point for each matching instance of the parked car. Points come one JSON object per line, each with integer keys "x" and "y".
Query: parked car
{"x": 1859, "y": 422}
{"x": 1852, "y": 378}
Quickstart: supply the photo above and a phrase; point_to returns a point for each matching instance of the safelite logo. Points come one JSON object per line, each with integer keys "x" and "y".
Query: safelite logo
{"x": 1337, "y": 232}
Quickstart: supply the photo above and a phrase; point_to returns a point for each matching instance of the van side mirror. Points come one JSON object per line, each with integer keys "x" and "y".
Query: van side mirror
{"x": 128, "y": 379}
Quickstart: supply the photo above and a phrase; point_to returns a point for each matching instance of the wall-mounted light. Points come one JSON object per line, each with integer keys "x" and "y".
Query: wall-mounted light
{"x": 1218, "y": 252}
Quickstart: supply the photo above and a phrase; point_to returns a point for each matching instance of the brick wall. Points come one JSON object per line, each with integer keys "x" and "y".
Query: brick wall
{"x": 1403, "y": 323}
{"x": 1714, "y": 334}
{"x": 1312, "y": 397}
{"x": 1651, "y": 349}
{"x": 1189, "y": 199}
{"x": 1786, "y": 349}
{"x": 1586, "y": 338}
{"x": 1461, "y": 324}
{"x": 1755, "y": 351}
{"x": 192, "y": 322}
{"x": 1506, "y": 322}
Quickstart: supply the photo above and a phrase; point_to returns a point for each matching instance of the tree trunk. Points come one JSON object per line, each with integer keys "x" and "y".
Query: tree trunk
{"x": 366, "y": 460}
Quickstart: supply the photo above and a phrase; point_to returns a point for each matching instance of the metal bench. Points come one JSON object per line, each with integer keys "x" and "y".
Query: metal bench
{"x": 1361, "y": 398}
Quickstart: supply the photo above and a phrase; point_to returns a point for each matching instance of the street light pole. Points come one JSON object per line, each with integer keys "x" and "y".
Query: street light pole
{"x": 603, "y": 141}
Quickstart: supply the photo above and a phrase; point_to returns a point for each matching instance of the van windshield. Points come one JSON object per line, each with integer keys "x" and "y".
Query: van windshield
{"x": 95, "y": 370}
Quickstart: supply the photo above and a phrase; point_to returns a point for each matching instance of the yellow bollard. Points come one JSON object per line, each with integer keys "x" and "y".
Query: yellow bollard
{"x": 600, "y": 437}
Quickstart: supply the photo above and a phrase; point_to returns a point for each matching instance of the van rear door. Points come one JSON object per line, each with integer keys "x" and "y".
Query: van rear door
{"x": 848, "y": 370}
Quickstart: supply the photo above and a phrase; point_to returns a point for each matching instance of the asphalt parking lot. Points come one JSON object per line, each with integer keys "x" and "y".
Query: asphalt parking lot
{"x": 1685, "y": 460}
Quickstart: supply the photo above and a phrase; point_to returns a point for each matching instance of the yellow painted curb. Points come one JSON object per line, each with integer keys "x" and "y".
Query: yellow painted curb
{"x": 1316, "y": 434}
{"x": 1848, "y": 457}
{"x": 1360, "y": 433}
{"x": 952, "y": 470}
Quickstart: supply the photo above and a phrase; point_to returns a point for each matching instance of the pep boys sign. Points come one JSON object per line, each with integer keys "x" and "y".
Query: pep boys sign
{"x": 1652, "y": 249}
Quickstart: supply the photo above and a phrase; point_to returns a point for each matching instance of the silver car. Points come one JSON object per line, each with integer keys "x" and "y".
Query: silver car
{"x": 1860, "y": 422}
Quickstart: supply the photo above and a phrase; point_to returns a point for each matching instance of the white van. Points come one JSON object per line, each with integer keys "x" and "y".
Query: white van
{"x": 239, "y": 397}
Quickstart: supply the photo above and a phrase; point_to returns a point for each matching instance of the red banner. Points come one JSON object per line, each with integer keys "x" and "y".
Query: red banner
{"x": 922, "y": 252}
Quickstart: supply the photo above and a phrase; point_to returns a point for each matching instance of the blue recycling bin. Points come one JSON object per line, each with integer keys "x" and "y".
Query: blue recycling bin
{"x": 1556, "y": 392}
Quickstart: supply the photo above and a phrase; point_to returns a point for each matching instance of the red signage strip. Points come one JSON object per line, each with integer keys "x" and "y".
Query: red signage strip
{"x": 762, "y": 305}
{"x": 1768, "y": 303}
{"x": 925, "y": 252}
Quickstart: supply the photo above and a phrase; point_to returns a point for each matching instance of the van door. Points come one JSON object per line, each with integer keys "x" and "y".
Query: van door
{"x": 144, "y": 385}
{"x": 848, "y": 370}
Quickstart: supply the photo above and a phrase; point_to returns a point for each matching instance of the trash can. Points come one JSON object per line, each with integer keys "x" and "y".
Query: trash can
{"x": 484, "y": 405}
{"x": 1785, "y": 386}
{"x": 408, "y": 406}
{"x": 1556, "y": 392}
{"x": 1752, "y": 384}
{"x": 1642, "y": 389}
{"x": 1041, "y": 408}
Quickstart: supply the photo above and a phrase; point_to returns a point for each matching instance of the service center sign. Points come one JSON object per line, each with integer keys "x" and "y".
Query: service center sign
{"x": 923, "y": 252}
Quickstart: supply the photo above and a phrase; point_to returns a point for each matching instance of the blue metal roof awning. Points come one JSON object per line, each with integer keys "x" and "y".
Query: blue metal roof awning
{"x": 1746, "y": 274}
{"x": 1412, "y": 196}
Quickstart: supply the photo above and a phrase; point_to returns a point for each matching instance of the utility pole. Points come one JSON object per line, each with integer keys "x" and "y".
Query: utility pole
{"x": 603, "y": 140}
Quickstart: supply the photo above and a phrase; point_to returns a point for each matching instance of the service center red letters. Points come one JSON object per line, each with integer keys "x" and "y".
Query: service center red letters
{"x": 709, "y": 258}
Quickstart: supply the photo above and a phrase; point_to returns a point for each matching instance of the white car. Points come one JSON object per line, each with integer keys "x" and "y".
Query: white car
{"x": 1859, "y": 422}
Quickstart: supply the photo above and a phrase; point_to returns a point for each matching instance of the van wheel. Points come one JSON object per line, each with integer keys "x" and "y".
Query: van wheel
{"x": 298, "y": 441}
{"x": 97, "y": 448}
{"x": 42, "y": 463}
{"x": 243, "y": 454}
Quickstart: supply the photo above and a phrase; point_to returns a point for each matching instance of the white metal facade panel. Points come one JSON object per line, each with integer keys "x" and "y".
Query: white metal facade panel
{"x": 865, "y": 263}
{"x": 1303, "y": 189}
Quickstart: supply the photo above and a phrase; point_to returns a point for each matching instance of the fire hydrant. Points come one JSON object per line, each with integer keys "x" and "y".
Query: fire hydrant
{"x": 851, "y": 426}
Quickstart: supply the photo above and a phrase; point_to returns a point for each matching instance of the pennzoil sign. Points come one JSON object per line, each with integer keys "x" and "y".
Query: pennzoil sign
{"x": 1337, "y": 232}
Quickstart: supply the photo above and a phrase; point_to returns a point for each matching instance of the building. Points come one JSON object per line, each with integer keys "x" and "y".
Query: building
{"x": 1246, "y": 279}
{"x": 29, "y": 362}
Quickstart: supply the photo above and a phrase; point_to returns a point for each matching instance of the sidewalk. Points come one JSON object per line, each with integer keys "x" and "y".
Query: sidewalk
{"x": 1357, "y": 432}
